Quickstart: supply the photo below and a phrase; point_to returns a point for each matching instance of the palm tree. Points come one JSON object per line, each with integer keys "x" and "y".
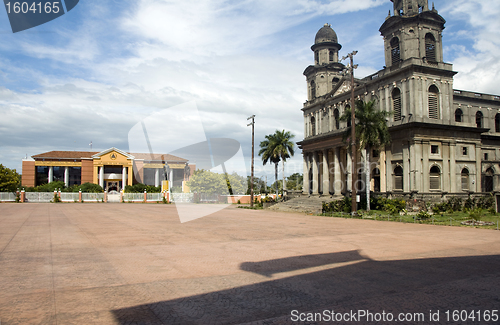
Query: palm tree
{"x": 277, "y": 147}
{"x": 371, "y": 133}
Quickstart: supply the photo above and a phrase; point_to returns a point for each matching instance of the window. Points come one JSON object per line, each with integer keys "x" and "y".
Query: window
{"x": 331, "y": 56}
{"x": 375, "y": 153}
{"x": 464, "y": 151}
{"x": 465, "y": 179}
{"x": 395, "y": 51}
{"x": 313, "y": 126}
{"x": 487, "y": 182}
{"x": 459, "y": 115}
{"x": 335, "y": 80}
{"x": 316, "y": 57}
{"x": 376, "y": 180}
{"x": 398, "y": 178}
{"x": 430, "y": 48}
{"x": 434, "y": 149}
{"x": 497, "y": 122}
{"x": 435, "y": 178}
{"x": 479, "y": 119}
{"x": 485, "y": 156}
{"x": 313, "y": 89}
{"x": 337, "y": 119}
{"x": 396, "y": 104}
{"x": 433, "y": 102}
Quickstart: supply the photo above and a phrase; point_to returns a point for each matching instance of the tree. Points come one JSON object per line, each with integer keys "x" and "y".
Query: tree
{"x": 207, "y": 182}
{"x": 9, "y": 179}
{"x": 371, "y": 133}
{"x": 294, "y": 181}
{"x": 277, "y": 147}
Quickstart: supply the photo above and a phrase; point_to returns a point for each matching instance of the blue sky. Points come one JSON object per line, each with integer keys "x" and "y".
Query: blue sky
{"x": 95, "y": 72}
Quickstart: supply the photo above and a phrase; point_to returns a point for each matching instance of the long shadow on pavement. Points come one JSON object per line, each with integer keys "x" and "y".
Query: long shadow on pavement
{"x": 401, "y": 286}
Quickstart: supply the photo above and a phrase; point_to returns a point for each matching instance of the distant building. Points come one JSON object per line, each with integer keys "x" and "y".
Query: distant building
{"x": 112, "y": 168}
{"x": 444, "y": 141}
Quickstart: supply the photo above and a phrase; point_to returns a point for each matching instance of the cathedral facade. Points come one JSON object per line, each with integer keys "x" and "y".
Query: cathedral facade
{"x": 444, "y": 141}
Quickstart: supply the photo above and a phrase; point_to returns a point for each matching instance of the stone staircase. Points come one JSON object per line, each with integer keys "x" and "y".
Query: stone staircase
{"x": 304, "y": 204}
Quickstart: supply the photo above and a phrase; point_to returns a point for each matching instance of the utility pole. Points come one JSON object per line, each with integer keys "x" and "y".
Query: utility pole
{"x": 354, "y": 174}
{"x": 253, "y": 139}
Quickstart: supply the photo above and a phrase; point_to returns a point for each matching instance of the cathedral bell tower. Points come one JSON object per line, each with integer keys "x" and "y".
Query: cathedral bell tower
{"x": 414, "y": 32}
{"x": 326, "y": 71}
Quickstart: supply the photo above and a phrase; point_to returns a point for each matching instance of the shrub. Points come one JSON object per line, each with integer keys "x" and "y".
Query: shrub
{"x": 423, "y": 215}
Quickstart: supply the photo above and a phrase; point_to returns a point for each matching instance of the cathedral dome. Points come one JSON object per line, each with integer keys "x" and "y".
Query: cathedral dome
{"x": 326, "y": 34}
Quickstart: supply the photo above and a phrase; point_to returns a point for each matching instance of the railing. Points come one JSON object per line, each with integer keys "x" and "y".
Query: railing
{"x": 70, "y": 196}
{"x": 154, "y": 196}
{"x": 89, "y": 197}
{"x": 6, "y": 197}
{"x": 39, "y": 197}
{"x": 133, "y": 197}
{"x": 182, "y": 197}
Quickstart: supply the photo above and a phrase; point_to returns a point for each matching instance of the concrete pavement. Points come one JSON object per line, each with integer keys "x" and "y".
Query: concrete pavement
{"x": 98, "y": 263}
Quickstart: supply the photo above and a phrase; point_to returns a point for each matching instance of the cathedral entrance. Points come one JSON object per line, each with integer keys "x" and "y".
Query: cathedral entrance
{"x": 113, "y": 186}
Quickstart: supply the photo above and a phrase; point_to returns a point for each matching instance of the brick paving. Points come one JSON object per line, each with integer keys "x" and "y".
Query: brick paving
{"x": 137, "y": 264}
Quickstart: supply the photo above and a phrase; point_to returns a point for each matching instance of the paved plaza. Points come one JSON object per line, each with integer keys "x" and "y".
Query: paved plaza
{"x": 97, "y": 263}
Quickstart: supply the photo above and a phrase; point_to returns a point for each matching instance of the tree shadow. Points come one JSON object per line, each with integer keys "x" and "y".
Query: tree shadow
{"x": 416, "y": 286}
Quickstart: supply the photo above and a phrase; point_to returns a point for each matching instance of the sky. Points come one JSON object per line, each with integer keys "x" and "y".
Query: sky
{"x": 94, "y": 73}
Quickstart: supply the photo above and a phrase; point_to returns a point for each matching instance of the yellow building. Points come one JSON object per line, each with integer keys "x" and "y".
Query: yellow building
{"x": 112, "y": 169}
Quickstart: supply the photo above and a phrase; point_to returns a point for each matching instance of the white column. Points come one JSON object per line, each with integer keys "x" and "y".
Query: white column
{"x": 305, "y": 179}
{"x": 478, "y": 169}
{"x": 124, "y": 177}
{"x": 101, "y": 176}
{"x": 456, "y": 182}
{"x": 51, "y": 174}
{"x": 170, "y": 179}
{"x": 157, "y": 177}
{"x": 315, "y": 173}
{"x": 66, "y": 176}
{"x": 337, "y": 172}
{"x": 326, "y": 173}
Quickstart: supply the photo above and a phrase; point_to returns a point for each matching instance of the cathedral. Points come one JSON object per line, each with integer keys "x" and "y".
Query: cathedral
{"x": 444, "y": 141}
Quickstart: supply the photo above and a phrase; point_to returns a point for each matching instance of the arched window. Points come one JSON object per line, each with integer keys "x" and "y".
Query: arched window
{"x": 465, "y": 179}
{"x": 313, "y": 126}
{"x": 497, "y": 122}
{"x": 459, "y": 115}
{"x": 337, "y": 119}
{"x": 487, "y": 183}
{"x": 395, "y": 51}
{"x": 313, "y": 89}
{"x": 430, "y": 48}
{"x": 433, "y": 102}
{"x": 435, "y": 178}
{"x": 376, "y": 179}
{"x": 479, "y": 119}
{"x": 335, "y": 80}
{"x": 396, "y": 104}
{"x": 316, "y": 57}
{"x": 398, "y": 178}
{"x": 331, "y": 54}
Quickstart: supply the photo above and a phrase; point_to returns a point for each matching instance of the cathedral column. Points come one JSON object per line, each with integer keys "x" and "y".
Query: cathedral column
{"x": 447, "y": 176}
{"x": 417, "y": 174}
{"x": 404, "y": 101}
{"x": 453, "y": 169}
{"x": 326, "y": 173}
{"x": 330, "y": 114}
{"x": 388, "y": 169}
{"x": 425, "y": 166}
{"x": 478, "y": 168}
{"x": 305, "y": 179}
{"x": 337, "y": 172}
{"x": 315, "y": 173}
{"x": 406, "y": 167}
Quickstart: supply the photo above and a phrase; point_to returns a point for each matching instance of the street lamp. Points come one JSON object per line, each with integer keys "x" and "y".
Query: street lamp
{"x": 251, "y": 177}
{"x": 354, "y": 173}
